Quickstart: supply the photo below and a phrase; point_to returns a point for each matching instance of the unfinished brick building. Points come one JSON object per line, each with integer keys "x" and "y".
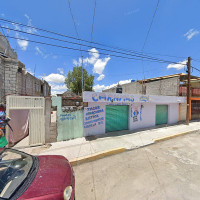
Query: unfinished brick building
{"x": 14, "y": 78}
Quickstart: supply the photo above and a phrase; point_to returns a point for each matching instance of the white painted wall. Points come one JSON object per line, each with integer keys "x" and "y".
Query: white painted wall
{"x": 144, "y": 119}
{"x": 95, "y": 125}
{"x": 173, "y": 113}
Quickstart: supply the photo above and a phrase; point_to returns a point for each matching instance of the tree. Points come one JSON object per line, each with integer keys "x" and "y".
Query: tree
{"x": 73, "y": 80}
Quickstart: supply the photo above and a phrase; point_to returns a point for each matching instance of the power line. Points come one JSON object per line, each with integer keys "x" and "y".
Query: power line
{"x": 79, "y": 39}
{"x": 148, "y": 33}
{"x": 3, "y": 31}
{"x": 95, "y": 3}
{"x": 196, "y": 68}
{"x": 150, "y": 25}
{"x": 47, "y": 37}
{"x": 70, "y": 9}
{"x": 65, "y": 47}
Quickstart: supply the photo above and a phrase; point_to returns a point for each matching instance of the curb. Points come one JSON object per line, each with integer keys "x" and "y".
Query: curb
{"x": 96, "y": 156}
{"x": 172, "y": 136}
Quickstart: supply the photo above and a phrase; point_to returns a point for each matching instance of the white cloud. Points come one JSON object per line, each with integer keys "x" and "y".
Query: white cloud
{"x": 56, "y": 82}
{"x": 40, "y": 52}
{"x": 99, "y": 88}
{"x": 58, "y": 87}
{"x": 61, "y": 70}
{"x": 132, "y": 11}
{"x": 94, "y": 59}
{"x": 23, "y": 44}
{"x": 177, "y": 66}
{"x": 100, "y": 65}
{"x": 29, "y": 71}
{"x": 54, "y": 78}
{"x": 101, "y": 77}
{"x": 29, "y": 23}
{"x": 191, "y": 33}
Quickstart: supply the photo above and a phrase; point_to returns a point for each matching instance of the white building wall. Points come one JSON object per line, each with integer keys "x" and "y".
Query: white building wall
{"x": 94, "y": 119}
{"x": 141, "y": 114}
{"x": 173, "y": 113}
{"x": 145, "y": 118}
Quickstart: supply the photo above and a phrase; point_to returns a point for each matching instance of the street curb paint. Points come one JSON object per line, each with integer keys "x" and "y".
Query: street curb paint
{"x": 172, "y": 136}
{"x": 96, "y": 156}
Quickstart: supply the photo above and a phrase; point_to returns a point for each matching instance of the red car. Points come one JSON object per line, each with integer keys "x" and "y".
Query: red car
{"x": 23, "y": 176}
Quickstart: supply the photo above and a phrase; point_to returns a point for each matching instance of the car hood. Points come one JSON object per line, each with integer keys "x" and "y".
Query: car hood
{"x": 53, "y": 176}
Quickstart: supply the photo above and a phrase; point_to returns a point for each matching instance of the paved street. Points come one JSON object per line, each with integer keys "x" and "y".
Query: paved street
{"x": 166, "y": 170}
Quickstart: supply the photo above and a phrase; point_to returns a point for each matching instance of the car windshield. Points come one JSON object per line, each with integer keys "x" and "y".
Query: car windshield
{"x": 14, "y": 168}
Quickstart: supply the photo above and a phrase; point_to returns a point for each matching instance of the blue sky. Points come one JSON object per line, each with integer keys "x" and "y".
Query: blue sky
{"x": 122, "y": 23}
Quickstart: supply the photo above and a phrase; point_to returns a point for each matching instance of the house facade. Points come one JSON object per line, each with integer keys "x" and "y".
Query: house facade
{"x": 172, "y": 85}
{"x": 107, "y": 112}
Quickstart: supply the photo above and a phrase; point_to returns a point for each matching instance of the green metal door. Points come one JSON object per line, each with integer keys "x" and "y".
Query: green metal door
{"x": 161, "y": 114}
{"x": 116, "y": 118}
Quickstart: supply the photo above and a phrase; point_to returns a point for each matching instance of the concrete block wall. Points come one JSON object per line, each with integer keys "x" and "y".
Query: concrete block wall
{"x": 132, "y": 88}
{"x": 10, "y": 69}
{"x": 15, "y": 80}
{"x": 6, "y": 48}
{"x": 165, "y": 87}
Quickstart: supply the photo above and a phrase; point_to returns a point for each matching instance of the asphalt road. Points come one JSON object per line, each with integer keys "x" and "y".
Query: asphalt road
{"x": 166, "y": 170}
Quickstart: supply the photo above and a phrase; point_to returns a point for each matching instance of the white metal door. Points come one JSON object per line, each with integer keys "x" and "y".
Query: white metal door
{"x": 36, "y": 105}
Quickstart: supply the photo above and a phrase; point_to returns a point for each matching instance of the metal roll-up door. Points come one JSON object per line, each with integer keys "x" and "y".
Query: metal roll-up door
{"x": 161, "y": 114}
{"x": 116, "y": 118}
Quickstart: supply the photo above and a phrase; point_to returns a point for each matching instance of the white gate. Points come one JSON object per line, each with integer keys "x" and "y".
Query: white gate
{"x": 36, "y": 105}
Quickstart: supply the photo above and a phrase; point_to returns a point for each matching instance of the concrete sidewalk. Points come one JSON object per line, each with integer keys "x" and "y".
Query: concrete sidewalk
{"x": 86, "y": 147}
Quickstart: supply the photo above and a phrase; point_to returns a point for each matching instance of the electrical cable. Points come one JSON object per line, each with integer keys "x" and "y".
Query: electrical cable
{"x": 150, "y": 26}
{"x": 65, "y": 47}
{"x": 195, "y": 68}
{"x": 95, "y": 3}
{"x": 62, "y": 35}
{"x": 47, "y": 37}
{"x": 148, "y": 33}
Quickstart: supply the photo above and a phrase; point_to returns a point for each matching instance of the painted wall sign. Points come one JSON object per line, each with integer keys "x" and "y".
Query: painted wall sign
{"x": 107, "y": 97}
{"x": 67, "y": 116}
{"x": 93, "y": 116}
{"x": 97, "y": 97}
{"x": 144, "y": 99}
{"x": 135, "y": 114}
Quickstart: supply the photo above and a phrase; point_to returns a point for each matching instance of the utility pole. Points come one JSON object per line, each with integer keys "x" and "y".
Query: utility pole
{"x": 82, "y": 77}
{"x": 188, "y": 90}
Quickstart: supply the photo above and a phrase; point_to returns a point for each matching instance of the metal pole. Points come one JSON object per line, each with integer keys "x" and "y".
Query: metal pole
{"x": 188, "y": 91}
{"x": 82, "y": 76}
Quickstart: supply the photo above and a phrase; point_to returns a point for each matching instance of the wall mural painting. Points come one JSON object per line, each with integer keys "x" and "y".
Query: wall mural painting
{"x": 136, "y": 113}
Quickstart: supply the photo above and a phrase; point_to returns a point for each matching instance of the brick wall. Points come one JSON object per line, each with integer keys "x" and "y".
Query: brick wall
{"x": 165, "y": 87}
